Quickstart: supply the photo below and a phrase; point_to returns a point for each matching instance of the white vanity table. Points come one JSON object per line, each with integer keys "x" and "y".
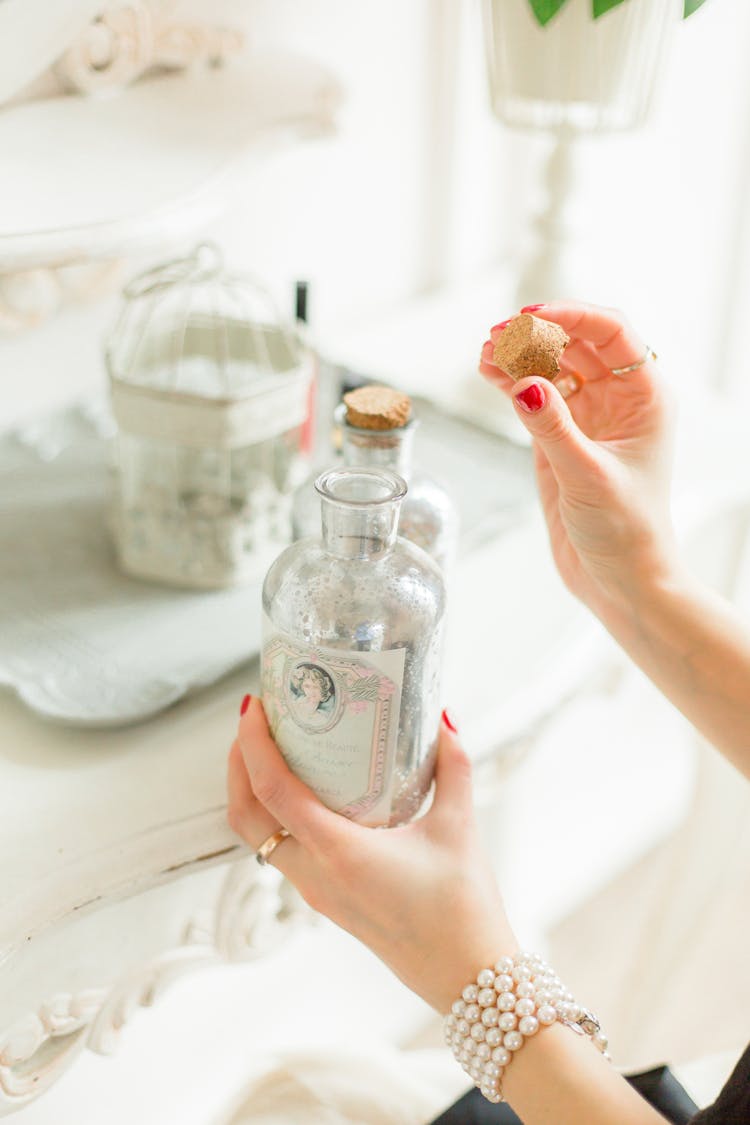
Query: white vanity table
{"x": 106, "y": 832}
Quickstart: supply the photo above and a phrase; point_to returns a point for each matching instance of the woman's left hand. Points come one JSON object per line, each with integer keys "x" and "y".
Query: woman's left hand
{"x": 422, "y": 896}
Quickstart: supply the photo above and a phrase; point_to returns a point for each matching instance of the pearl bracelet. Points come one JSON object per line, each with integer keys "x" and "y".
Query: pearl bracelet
{"x": 510, "y": 1002}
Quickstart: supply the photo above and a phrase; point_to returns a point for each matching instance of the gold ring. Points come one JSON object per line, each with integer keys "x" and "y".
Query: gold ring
{"x": 569, "y": 383}
{"x": 649, "y": 354}
{"x": 269, "y": 845}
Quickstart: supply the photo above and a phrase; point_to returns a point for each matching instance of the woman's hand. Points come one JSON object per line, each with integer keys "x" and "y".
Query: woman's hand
{"x": 603, "y": 457}
{"x": 422, "y": 897}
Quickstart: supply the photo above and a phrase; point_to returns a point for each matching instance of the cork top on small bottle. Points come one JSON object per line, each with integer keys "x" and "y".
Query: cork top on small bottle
{"x": 529, "y": 345}
{"x": 377, "y": 408}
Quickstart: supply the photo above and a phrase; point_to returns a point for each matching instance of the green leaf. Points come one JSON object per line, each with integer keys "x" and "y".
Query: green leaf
{"x": 692, "y": 6}
{"x": 544, "y": 10}
{"x": 601, "y": 6}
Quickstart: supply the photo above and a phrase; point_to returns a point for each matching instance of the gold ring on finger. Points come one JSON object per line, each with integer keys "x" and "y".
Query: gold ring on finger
{"x": 270, "y": 844}
{"x": 569, "y": 384}
{"x": 648, "y": 354}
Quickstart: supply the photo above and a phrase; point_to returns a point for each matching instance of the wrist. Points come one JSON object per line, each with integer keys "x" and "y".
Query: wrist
{"x": 635, "y": 591}
{"x": 509, "y": 1003}
{"x": 636, "y": 616}
{"x": 450, "y": 984}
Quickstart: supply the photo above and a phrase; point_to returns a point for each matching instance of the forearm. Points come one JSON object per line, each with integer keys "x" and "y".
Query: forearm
{"x": 559, "y": 1078}
{"x": 692, "y": 644}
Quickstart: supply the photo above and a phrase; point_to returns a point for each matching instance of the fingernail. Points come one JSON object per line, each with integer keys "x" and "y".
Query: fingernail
{"x": 448, "y": 720}
{"x": 531, "y": 308}
{"x": 245, "y": 704}
{"x": 532, "y": 398}
{"x": 503, "y": 324}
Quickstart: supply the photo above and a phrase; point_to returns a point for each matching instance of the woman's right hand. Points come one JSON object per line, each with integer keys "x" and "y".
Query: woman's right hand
{"x": 603, "y": 456}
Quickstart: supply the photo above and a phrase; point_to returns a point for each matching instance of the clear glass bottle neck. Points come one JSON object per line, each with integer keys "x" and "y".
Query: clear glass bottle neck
{"x": 359, "y": 511}
{"x": 378, "y": 449}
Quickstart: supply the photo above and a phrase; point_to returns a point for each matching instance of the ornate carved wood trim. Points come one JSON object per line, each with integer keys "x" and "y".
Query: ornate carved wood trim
{"x": 121, "y": 45}
{"x": 255, "y": 911}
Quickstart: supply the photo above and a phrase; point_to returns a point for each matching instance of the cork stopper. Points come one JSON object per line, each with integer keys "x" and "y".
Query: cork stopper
{"x": 377, "y": 408}
{"x": 529, "y": 345}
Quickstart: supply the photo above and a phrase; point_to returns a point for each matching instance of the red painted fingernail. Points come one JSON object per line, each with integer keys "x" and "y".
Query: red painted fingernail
{"x": 245, "y": 704}
{"x": 447, "y": 719}
{"x": 503, "y": 324}
{"x": 531, "y": 308}
{"x": 532, "y": 398}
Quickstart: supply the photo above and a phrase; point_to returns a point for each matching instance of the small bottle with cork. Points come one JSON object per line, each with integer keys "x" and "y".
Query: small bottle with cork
{"x": 377, "y": 428}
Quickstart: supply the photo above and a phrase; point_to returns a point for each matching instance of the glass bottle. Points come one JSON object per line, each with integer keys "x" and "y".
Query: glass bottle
{"x": 428, "y": 515}
{"x": 352, "y": 653}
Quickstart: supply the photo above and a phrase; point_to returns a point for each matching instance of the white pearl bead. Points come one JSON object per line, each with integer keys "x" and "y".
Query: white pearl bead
{"x": 478, "y": 1032}
{"x": 529, "y": 1025}
{"x": 601, "y": 1041}
{"x": 555, "y": 996}
{"x": 546, "y": 1014}
{"x": 492, "y": 1070}
{"x": 574, "y": 1012}
{"x": 503, "y": 982}
{"x": 475, "y": 1072}
{"x": 495, "y": 1097}
{"x": 506, "y": 1001}
{"x": 525, "y": 989}
{"x": 463, "y": 1027}
{"x": 542, "y": 996}
{"x": 513, "y": 1040}
{"x": 457, "y": 1040}
{"x": 470, "y": 993}
{"x": 501, "y": 1055}
{"x": 490, "y": 1016}
{"x": 450, "y": 1023}
{"x": 521, "y": 972}
{"x": 504, "y": 965}
{"x": 464, "y": 1055}
{"x": 486, "y": 997}
{"x": 483, "y": 1051}
{"x": 469, "y": 1046}
{"x": 458, "y": 1007}
{"x": 525, "y": 1007}
{"x": 563, "y": 1010}
{"x": 472, "y": 1013}
{"x": 485, "y": 978}
{"x": 494, "y": 1036}
{"x": 507, "y": 1021}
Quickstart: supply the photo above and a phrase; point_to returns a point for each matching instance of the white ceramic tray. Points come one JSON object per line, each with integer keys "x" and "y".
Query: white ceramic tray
{"x": 82, "y": 643}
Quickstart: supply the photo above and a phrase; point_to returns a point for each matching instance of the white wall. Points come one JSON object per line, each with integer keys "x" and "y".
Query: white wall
{"x": 422, "y": 186}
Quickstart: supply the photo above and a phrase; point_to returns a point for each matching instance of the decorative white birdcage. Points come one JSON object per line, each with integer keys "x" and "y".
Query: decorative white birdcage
{"x": 211, "y": 393}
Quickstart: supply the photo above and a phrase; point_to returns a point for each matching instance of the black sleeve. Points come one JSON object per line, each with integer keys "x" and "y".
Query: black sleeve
{"x": 658, "y": 1087}
{"x": 732, "y": 1107}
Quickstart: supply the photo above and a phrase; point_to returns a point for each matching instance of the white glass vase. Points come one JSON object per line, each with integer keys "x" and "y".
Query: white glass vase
{"x": 576, "y": 74}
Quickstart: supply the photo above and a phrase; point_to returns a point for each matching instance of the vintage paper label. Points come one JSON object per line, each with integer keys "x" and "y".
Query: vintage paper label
{"x": 335, "y": 716}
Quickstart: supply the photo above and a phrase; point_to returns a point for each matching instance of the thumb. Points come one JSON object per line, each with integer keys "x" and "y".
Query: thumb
{"x": 453, "y": 788}
{"x": 546, "y": 415}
